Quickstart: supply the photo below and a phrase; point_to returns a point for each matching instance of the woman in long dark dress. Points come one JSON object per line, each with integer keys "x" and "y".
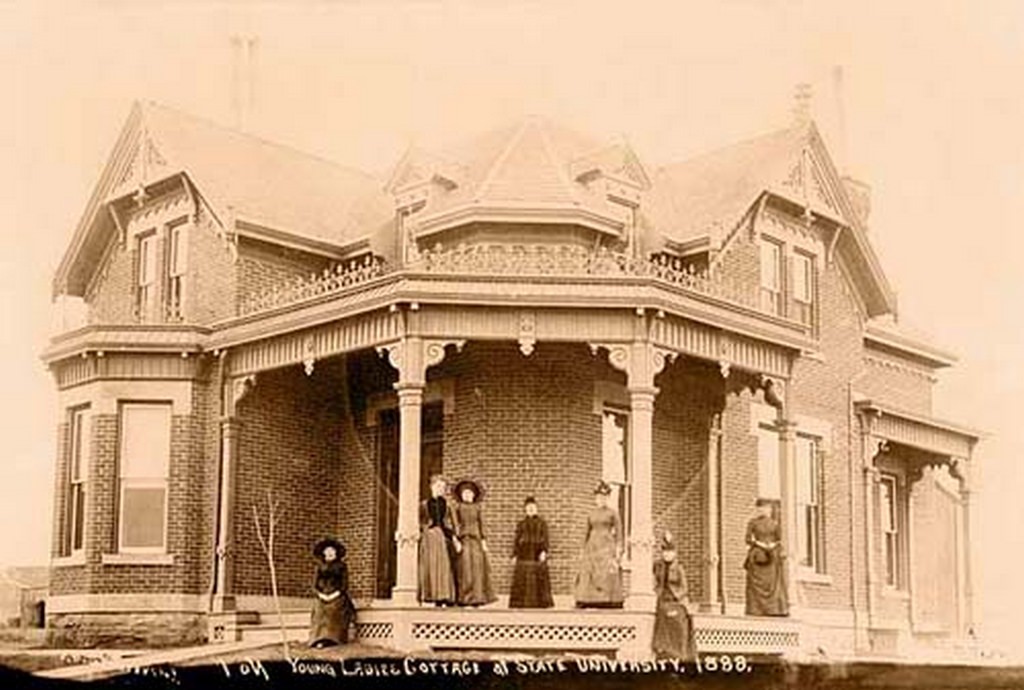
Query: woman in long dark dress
{"x": 765, "y": 564}
{"x": 333, "y": 610}
{"x": 437, "y": 535}
{"x": 531, "y": 583}
{"x": 599, "y": 581}
{"x": 673, "y": 629}
{"x": 474, "y": 572}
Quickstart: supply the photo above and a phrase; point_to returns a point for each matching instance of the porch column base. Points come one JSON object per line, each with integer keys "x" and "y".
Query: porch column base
{"x": 404, "y": 596}
{"x": 223, "y": 603}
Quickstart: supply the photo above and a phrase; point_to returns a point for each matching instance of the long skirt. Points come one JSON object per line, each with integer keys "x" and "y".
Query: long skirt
{"x": 673, "y": 631}
{"x": 599, "y": 581}
{"x": 435, "y": 577}
{"x": 766, "y": 585}
{"x": 330, "y": 620}
{"x": 474, "y": 575}
{"x": 531, "y": 586}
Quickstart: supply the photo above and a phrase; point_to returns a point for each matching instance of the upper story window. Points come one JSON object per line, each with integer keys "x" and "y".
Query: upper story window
{"x": 809, "y": 500}
{"x": 145, "y": 279}
{"x": 803, "y": 286}
{"x": 771, "y": 276}
{"x": 78, "y": 474}
{"x": 143, "y": 473}
{"x": 615, "y": 462}
{"x": 177, "y": 266}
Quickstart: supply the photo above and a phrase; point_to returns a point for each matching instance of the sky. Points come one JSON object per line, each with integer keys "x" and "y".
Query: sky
{"x": 932, "y": 104}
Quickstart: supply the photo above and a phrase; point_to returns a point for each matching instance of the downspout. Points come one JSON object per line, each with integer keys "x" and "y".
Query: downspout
{"x": 215, "y": 565}
{"x": 852, "y": 478}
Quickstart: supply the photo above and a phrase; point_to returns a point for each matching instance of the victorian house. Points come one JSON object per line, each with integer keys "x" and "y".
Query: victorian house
{"x": 535, "y": 309}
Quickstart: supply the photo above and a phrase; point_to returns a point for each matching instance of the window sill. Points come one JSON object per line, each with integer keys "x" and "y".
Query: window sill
{"x": 74, "y": 559}
{"x": 811, "y": 577}
{"x": 138, "y": 559}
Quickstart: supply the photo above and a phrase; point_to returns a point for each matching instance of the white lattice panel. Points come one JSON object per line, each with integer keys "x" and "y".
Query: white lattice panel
{"x": 523, "y": 635}
{"x": 751, "y": 640}
{"x": 374, "y": 631}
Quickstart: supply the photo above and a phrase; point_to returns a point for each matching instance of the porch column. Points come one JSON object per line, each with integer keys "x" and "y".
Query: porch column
{"x": 787, "y": 477}
{"x": 712, "y": 558}
{"x": 410, "y": 386}
{"x": 963, "y": 469}
{"x": 233, "y": 392}
{"x": 224, "y": 599}
{"x": 641, "y": 417}
{"x": 870, "y": 447}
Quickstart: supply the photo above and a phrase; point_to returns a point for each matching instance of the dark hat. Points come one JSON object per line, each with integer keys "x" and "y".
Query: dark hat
{"x": 530, "y": 499}
{"x": 603, "y": 488}
{"x": 474, "y": 486}
{"x": 667, "y": 542}
{"x": 322, "y": 545}
{"x": 763, "y": 502}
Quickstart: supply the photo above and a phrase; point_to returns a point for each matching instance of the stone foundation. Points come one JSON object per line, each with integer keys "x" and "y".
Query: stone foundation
{"x": 126, "y": 630}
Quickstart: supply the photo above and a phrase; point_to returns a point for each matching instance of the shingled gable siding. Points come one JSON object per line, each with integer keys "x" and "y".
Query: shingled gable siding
{"x": 289, "y": 447}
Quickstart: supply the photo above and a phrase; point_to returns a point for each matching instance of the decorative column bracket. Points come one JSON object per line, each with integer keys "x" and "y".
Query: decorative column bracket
{"x": 640, "y": 361}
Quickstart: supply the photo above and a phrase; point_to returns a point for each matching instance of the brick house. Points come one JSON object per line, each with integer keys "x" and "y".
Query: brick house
{"x": 534, "y": 309}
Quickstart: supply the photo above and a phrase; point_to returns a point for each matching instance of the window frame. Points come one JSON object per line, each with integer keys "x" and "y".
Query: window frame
{"x": 147, "y": 275}
{"x": 79, "y": 461}
{"x": 132, "y": 482}
{"x": 892, "y": 549}
{"x": 177, "y": 268}
{"x": 810, "y": 501}
{"x": 623, "y": 490}
{"x": 772, "y": 294}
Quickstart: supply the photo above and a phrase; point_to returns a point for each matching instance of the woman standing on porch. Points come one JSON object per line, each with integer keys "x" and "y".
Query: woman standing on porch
{"x": 531, "y": 583}
{"x": 599, "y": 581}
{"x": 333, "y": 610}
{"x": 474, "y": 573}
{"x": 673, "y": 629}
{"x": 766, "y": 572}
{"x": 436, "y": 581}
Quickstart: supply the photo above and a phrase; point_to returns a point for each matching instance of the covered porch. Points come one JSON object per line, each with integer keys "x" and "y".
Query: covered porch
{"x": 572, "y": 397}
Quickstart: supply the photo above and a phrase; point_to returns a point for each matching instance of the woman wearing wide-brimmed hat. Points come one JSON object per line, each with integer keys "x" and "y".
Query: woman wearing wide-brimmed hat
{"x": 765, "y": 565}
{"x": 437, "y": 536}
{"x": 474, "y": 572}
{"x": 333, "y": 610}
{"x": 673, "y": 629}
{"x": 599, "y": 581}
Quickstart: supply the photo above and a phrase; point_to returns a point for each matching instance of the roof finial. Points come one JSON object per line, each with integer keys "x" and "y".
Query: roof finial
{"x": 802, "y": 104}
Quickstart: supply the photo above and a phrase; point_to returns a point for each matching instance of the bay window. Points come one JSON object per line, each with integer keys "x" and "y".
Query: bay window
{"x": 145, "y": 279}
{"x": 177, "y": 264}
{"x": 78, "y": 472}
{"x": 143, "y": 472}
{"x": 771, "y": 276}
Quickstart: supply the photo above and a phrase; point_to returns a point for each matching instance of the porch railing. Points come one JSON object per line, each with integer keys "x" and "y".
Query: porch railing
{"x": 539, "y": 261}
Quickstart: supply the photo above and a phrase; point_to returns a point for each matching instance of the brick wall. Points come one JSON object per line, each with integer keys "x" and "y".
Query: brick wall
{"x": 897, "y": 381}
{"x": 211, "y": 281}
{"x": 289, "y": 436}
{"x": 262, "y": 266}
{"x": 112, "y": 300}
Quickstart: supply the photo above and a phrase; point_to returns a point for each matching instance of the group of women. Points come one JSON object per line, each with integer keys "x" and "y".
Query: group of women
{"x": 454, "y": 568}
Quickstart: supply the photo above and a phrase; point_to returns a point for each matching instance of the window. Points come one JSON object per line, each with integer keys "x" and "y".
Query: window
{"x": 769, "y": 478}
{"x": 889, "y": 517}
{"x": 144, "y": 462}
{"x": 810, "y": 531}
{"x": 146, "y": 277}
{"x": 803, "y": 286}
{"x": 177, "y": 265}
{"x": 78, "y": 473}
{"x": 615, "y": 460}
{"x": 771, "y": 276}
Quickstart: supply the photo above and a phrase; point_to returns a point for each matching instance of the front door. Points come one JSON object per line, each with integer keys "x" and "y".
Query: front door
{"x": 431, "y": 462}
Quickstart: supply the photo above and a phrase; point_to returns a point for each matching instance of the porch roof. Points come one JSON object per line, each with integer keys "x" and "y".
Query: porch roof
{"x": 918, "y": 430}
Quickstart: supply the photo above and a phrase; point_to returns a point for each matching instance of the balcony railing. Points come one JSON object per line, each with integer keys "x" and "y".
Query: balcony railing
{"x": 528, "y": 261}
